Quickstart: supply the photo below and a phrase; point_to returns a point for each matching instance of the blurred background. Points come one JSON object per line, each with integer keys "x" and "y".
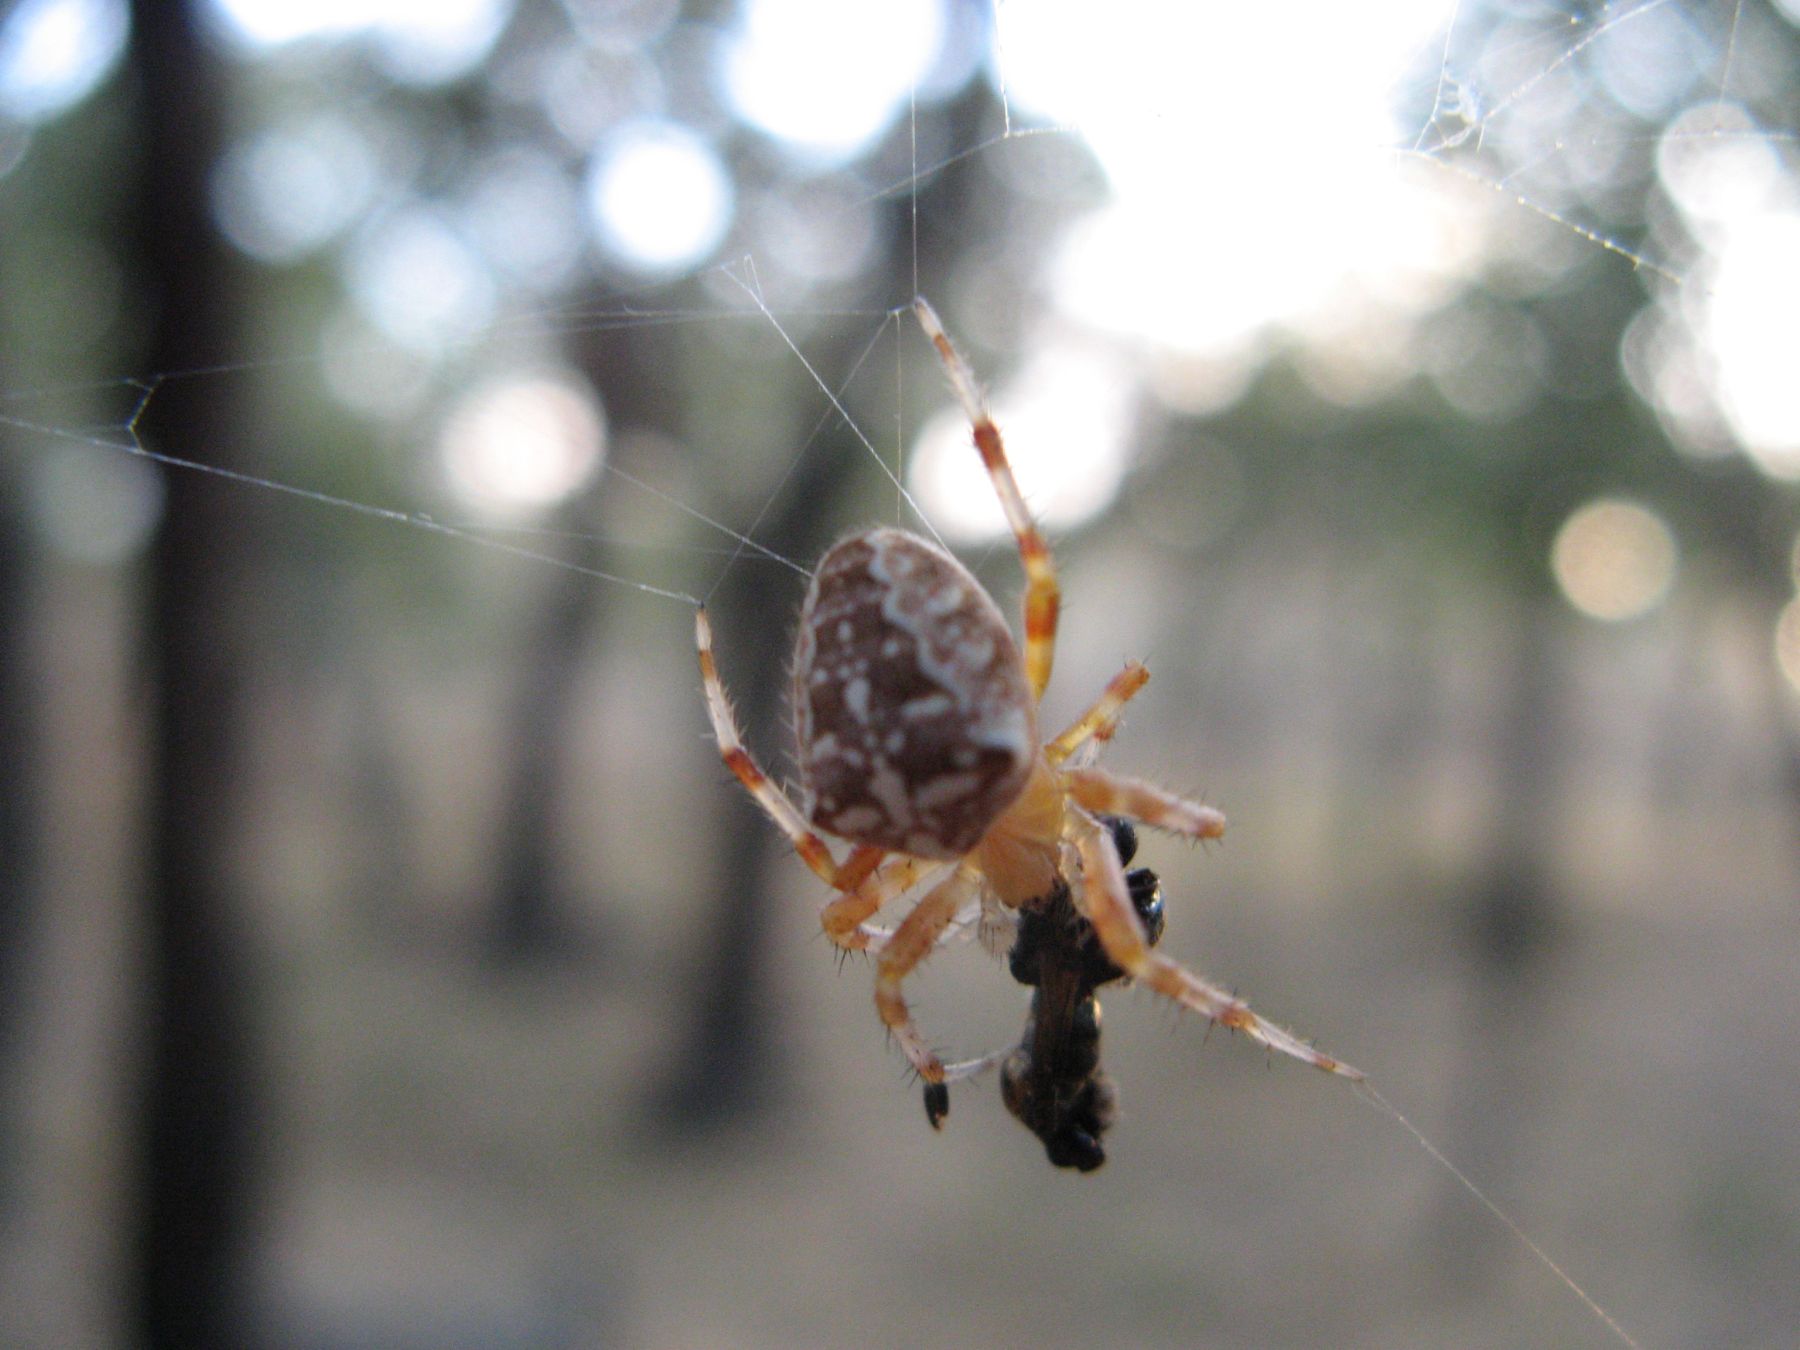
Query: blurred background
{"x": 386, "y": 959}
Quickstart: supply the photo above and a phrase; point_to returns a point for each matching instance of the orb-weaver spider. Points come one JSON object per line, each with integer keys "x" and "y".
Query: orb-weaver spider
{"x": 917, "y": 742}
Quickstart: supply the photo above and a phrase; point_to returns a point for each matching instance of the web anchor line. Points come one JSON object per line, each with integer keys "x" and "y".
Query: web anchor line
{"x": 1366, "y": 1090}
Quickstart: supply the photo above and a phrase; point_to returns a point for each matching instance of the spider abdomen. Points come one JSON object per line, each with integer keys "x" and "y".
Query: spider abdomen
{"x": 914, "y": 723}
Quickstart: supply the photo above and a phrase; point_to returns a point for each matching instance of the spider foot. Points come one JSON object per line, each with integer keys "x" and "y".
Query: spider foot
{"x": 937, "y": 1104}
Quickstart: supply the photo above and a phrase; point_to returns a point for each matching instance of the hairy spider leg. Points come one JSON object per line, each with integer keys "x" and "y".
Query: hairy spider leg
{"x": 862, "y": 861}
{"x": 1102, "y": 719}
{"x": 1043, "y": 596}
{"x": 1106, "y": 900}
{"x": 911, "y": 943}
{"x": 1112, "y": 794}
{"x": 845, "y": 917}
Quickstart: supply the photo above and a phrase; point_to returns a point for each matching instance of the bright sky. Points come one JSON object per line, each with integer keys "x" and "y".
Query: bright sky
{"x": 1733, "y": 331}
{"x": 1233, "y": 211}
{"x": 1251, "y": 171}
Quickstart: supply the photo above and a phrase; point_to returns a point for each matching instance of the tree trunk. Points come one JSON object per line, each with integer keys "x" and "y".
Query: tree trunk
{"x": 529, "y": 917}
{"x": 20, "y": 821}
{"x": 723, "y": 1070}
{"x": 193, "y": 1132}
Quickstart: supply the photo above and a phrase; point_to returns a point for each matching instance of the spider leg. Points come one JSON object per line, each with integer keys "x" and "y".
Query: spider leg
{"x": 974, "y": 1068}
{"x": 1043, "y": 596}
{"x": 1111, "y": 794}
{"x": 1107, "y": 903}
{"x": 862, "y": 861}
{"x": 1102, "y": 719}
{"x": 956, "y": 928}
{"x": 911, "y": 943}
{"x": 846, "y": 917}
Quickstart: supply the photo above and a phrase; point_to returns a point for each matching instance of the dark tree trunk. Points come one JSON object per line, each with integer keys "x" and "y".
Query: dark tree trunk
{"x": 193, "y": 1131}
{"x": 529, "y": 917}
{"x": 722, "y": 1069}
{"x": 628, "y": 366}
{"x": 1516, "y": 909}
{"x": 20, "y": 821}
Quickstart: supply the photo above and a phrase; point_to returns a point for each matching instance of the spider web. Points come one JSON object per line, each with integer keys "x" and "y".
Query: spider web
{"x": 1521, "y": 145}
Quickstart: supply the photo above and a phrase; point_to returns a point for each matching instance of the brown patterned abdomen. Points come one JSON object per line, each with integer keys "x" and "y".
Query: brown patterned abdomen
{"x": 914, "y": 722}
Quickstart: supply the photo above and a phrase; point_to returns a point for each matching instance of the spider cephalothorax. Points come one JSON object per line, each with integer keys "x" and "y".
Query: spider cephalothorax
{"x": 918, "y": 743}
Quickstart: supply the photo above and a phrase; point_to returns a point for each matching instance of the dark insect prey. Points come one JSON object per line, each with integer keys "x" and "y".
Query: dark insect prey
{"x": 1051, "y": 1081}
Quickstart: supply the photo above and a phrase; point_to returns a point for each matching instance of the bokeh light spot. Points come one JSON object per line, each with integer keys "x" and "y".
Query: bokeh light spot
{"x": 419, "y": 281}
{"x": 1750, "y": 329}
{"x": 1718, "y": 367}
{"x": 288, "y": 190}
{"x": 827, "y": 78}
{"x": 1787, "y": 642}
{"x": 415, "y": 41}
{"x": 523, "y": 442}
{"x": 525, "y": 214}
{"x": 95, "y": 509}
{"x": 1614, "y": 559}
{"x": 1067, "y": 418}
{"x": 658, "y": 196}
{"x": 54, "y": 52}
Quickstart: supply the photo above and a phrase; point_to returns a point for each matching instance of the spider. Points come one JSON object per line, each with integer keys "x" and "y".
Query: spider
{"x": 917, "y": 743}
